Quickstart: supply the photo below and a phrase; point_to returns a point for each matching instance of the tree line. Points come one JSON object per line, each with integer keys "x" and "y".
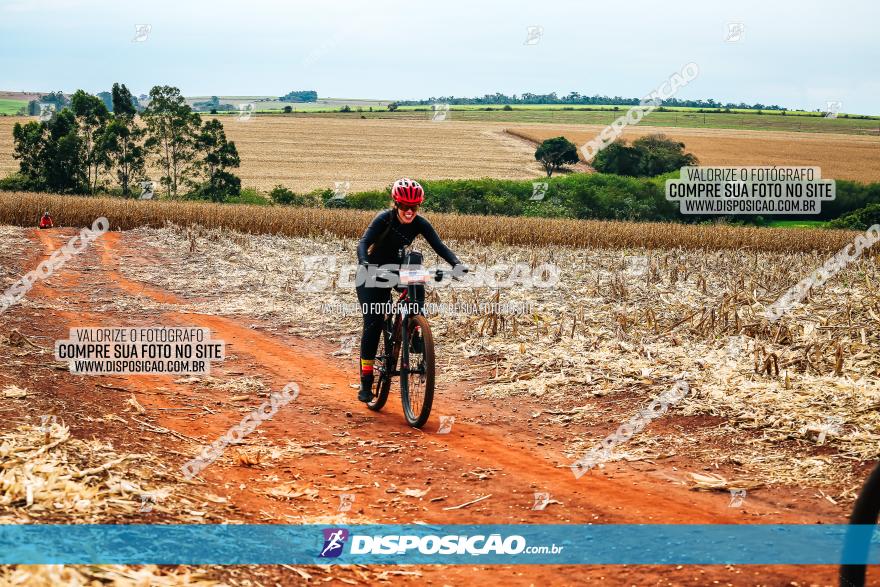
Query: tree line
{"x": 58, "y": 101}
{"x": 84, "y": 147}
{"x": 300, "y": 96}
{"x": 213, "y": 105}
{"x": 577, "y": 98}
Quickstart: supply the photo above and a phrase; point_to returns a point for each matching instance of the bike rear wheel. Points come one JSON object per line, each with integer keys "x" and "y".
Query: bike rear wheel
{"x": 417, "y": 371}
{"x": 384, "y": 366}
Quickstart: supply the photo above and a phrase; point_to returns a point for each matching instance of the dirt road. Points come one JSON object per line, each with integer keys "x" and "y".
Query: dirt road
{"x": 330, "y": 444}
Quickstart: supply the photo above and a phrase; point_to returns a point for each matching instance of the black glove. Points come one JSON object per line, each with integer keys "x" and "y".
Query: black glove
{"x": 459, "y": 270}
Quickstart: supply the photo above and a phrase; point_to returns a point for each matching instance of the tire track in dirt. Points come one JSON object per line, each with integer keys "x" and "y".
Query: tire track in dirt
{"x": 311, "y": 370}
{"x": 443, "y": 463}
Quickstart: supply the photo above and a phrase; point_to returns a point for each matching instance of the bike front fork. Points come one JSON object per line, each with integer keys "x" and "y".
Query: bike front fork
{"x": 392, "y": 326}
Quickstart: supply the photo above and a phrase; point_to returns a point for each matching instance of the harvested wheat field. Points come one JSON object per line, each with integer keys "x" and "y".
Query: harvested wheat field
{"x": 840, "y": 156}
{"x": 784, "y": 412}
{"x": 304, "y": 154}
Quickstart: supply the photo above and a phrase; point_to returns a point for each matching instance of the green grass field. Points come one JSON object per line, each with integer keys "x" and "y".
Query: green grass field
{"x": 685, "y": 117}
{"x": 797, "y": 121}
{"x": 11, "y": 107}
{"x": 672, "y": 119}
{"x": 797, "y": 224}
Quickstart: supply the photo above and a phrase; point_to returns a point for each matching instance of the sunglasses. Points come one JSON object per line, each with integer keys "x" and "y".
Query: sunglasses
{"x": 407, "y": 207}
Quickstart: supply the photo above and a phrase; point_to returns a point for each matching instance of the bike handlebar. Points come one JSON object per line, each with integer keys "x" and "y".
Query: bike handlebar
{"x": 437, "y": 273}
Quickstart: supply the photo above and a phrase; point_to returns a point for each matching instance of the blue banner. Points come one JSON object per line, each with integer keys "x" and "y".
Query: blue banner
{"x": 634, "y": 544}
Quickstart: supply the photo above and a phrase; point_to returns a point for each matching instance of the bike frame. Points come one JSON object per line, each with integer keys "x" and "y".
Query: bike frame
{"x": 400, "y": 322}
{"x": 406, "y": 335}
{"x": 412, "y": 295}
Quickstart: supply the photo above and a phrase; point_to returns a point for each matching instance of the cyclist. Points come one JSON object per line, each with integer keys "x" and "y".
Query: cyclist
{"x": 46, "y": 221}
{"x": 383, "y": 243}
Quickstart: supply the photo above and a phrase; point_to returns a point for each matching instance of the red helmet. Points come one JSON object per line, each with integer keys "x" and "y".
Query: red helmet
{"x": 407, "y": 191}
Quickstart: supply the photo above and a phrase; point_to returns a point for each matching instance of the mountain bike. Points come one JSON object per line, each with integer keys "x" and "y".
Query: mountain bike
{"x": 406, "y": 335}
{"x": 865, "y": 511}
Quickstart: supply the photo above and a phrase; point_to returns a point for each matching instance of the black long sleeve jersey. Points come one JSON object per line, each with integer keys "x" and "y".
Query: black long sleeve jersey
{"x": 398, "y": 236}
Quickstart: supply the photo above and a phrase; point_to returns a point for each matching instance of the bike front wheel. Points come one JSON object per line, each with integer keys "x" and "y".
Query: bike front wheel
{"x": 865, "y": 512}
{"x": 417, "y": 371}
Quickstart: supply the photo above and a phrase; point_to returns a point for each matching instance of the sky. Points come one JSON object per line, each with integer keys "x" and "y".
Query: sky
{"x": 797, "y": 54}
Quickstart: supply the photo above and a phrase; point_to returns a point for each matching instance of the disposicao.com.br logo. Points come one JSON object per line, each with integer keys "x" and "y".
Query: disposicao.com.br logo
{"x": 394, "y": 544}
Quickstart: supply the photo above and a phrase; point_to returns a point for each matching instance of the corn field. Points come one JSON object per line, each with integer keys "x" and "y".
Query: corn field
{"x": 24, "y": 209}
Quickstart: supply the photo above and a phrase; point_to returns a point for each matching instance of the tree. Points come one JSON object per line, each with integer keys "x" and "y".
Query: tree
{"x": 28, "y": 140}
{"x": 556, "y": 152}
{"x": 617, "y": 158}
{"x": 282, "y": 195}
{"x": 860, "y": 219}
{"x": 288, "y": 109}
{"x": 92, "y": 117}
{"x": 64, "y": 162}
{"x": 660, "y": 154}
{"x": 50, "y": 154}
{"x": 648, "y": 156}
{"x": 172, "y": 128}
{"x": 124, "y": 104}
{"x": 219, "y": 156}
{"x": 107, "y": 99}
{"x": 300, "y": 96}
{"x": 123, "y": 140}
{"x": 123, "y": 144}
{"x": 66, "y": 153}
{"x": 58, "y": 98}
{"x": 212, "y": 104}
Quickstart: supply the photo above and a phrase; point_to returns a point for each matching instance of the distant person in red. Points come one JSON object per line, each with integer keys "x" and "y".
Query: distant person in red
{"x": 46, "y": 221}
